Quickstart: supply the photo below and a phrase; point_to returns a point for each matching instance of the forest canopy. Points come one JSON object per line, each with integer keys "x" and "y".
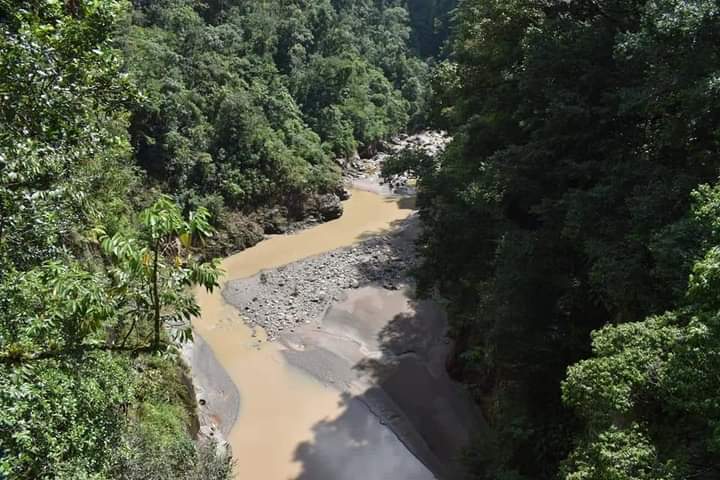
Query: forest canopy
{"x": 571, "y": 227}
{"x": 248, "y": 104}
{"x": 572, "y": 217}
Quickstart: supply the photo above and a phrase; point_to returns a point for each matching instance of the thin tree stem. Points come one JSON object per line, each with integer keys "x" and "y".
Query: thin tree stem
{"x": 127, "y": 335}
{"x": 156, "y": 295}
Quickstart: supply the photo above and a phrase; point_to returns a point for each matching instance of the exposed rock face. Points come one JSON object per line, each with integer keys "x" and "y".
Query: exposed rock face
{"x": 343, "y": 193}
{"x": 369, "y": 151}
{"x": 326, "y": 207}
{"x": 217, "y": 398}
{"x": 241, "y": 232}
{"x": 275, "y": 221}
{"x": 367, "y": 170}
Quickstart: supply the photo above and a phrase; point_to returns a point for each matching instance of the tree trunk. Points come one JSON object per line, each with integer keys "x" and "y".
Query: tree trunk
{"x": 2, "y": 223}
{"x": 156, "y": 297}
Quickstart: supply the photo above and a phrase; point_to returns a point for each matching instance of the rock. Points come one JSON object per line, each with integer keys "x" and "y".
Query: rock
{"x": 368, "y": 151}
{"x": 383, "y": 147}
{"x": 390, "y": 286}
{"x": 275, "y": 221}
{"x": 298, "y": 294}
{"x": 342, "y": 193}
{"x": 328, "y": 206}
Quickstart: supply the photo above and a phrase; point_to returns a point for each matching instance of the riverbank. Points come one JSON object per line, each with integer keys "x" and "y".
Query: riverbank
{"x": 284, "y": 299}
{"x": 351, "y": 323}
{"x": 338, "y": 372}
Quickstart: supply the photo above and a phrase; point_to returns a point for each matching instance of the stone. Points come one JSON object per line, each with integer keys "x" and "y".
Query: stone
{"x": 342, "y": 193}
{"x": 328, "y": 206}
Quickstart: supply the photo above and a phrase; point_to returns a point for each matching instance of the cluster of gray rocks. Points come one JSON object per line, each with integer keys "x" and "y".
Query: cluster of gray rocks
{"x": 366, "y": 166}
{"x": 280, "y": 300}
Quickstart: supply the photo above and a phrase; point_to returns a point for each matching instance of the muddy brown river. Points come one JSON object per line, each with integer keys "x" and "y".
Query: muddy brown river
{"x": 281, "y": 406}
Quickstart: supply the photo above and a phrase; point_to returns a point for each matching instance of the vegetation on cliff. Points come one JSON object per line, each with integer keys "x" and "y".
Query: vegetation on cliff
{"x": 247, "y": 104}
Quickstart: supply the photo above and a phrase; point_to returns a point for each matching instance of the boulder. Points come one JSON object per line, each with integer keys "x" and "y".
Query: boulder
{"x": 368, "y": 151}
{"x": 383, "y": 146}
{"x": 342, "y": 193}
{"x": 275, "y": 221}
{"x": 326, "y": 206}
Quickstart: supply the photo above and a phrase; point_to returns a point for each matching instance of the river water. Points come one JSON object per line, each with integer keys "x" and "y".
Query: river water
{"x": 281, "y": 406}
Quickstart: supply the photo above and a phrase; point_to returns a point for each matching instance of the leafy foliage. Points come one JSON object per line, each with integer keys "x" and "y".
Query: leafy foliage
{"x": 156, "y": 444}
{"x": 153, "y": 274}
{"x": 246, "y": 103}
{"x": 581, "y": 129}
{"x": 655, "y": 381}
{"x": 52, "y": 308}
{"x": 61, "y": 417}
{"x": 67, "y": 395}
{"x": 63, "y": 128}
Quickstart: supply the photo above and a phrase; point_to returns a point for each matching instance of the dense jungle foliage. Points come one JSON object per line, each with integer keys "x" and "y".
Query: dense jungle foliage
{"x": 574, "y": 219}
{"x": 128, "y": 132}
{"x": 571, "y": 227}
{"x": 248, "y": 104}
{"x": 85, "y": 281}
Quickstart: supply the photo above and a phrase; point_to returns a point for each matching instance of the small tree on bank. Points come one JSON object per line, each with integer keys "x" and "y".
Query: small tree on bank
{"x": 154, "y": 272}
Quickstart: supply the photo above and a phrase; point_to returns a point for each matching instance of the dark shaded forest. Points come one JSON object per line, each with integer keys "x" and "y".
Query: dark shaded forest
{"x": 573, "y": 223}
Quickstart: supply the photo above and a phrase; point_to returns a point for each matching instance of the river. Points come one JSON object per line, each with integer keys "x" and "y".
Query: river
{"x": 281, "y": 406}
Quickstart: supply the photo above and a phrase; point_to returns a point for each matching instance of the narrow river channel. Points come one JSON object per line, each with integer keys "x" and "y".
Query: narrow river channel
{"x": 280, "y": 404}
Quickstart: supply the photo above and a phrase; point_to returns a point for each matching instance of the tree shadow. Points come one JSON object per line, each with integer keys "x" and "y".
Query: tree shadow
{"x": 394, "y": 254}
{"x": 412, "y": 423}
{"x": 357, "y": 446}
{"x": 412, "y": 372}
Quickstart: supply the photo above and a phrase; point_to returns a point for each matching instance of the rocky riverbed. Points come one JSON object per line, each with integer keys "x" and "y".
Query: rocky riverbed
{"x": 348, "y": 319}
{"x": 299, "y": 293}
{"x": 364, "y": 170}
{"x": 282, "y": 299}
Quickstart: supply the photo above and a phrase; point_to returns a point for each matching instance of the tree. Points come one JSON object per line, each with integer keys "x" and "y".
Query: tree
{"x": 153, "y": 273}
{"x": 649, "y": 392}
{"x": 246, "y": 103}
{"x": 69, "y": 390}
{"x": 61, "y": 417}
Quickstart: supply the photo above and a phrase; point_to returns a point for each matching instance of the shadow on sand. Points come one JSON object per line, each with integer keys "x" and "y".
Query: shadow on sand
{"x": 412, "y": 421}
